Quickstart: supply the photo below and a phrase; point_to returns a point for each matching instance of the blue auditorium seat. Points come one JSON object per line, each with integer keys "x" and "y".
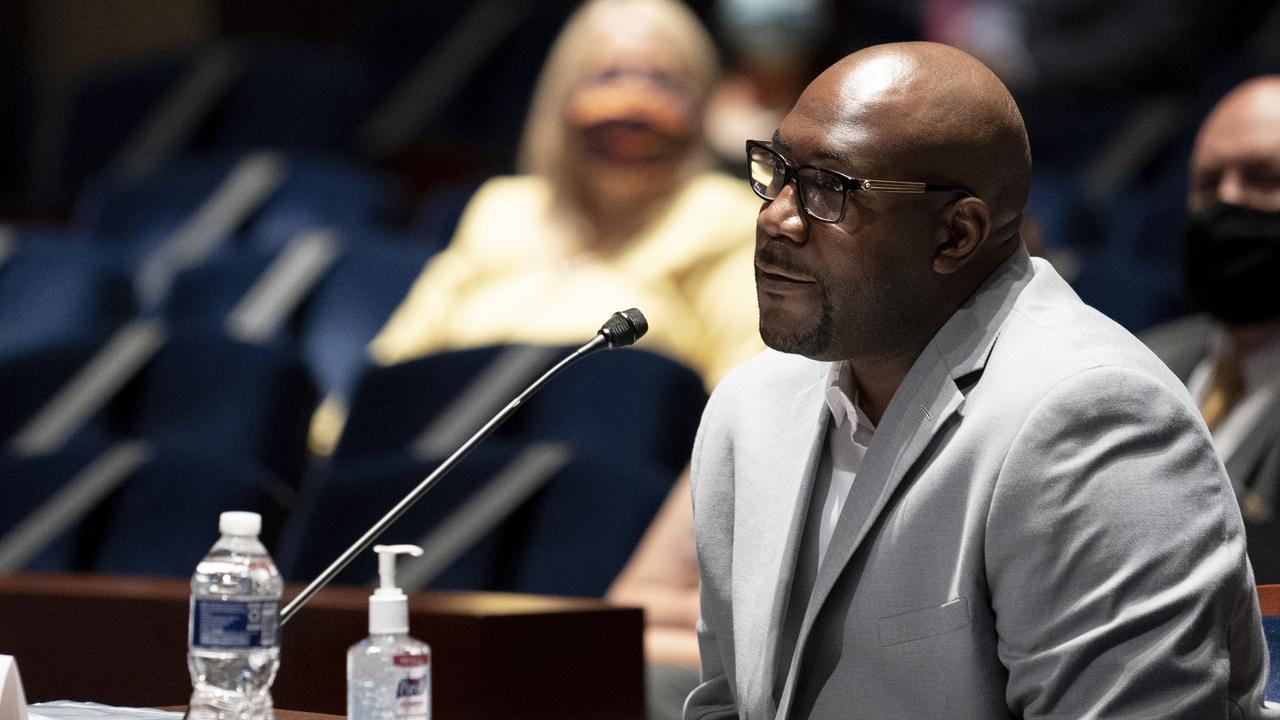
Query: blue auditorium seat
{"x": 627, "y": 406}
{"x": 632, "y": 405}
{"x": 204, "y": 295}
{"x": 351, "y": 303}
{"x": 625, "y": 419}
{"x": 323, "y": 191}
{"x": 28, "y": 380}
{"x": 578, "y": 532}
{"x": 136, "y": 218}
{"x": 164, "y": 518}
{"x": 54, "y": 289}
{"x": 295, "y": 97}
{"x": 341, "y": 500}
{"x": 391, "y": 405}
{"x": 315, "y": 191}
{"x": 30, "y": 482}
{"x": 209, "y": 392}
{"x": 571, "y": 537}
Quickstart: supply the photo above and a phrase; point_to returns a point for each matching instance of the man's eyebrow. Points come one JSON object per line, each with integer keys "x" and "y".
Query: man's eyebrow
{"x": 821, "y": 153}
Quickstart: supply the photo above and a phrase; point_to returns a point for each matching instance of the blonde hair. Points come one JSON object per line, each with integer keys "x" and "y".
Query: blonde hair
{"x": 543, "y": 147}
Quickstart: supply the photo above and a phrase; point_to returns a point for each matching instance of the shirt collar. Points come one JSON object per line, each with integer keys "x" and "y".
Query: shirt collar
{"x": 1261, "y": 367}
{"x": 842, "y": 399}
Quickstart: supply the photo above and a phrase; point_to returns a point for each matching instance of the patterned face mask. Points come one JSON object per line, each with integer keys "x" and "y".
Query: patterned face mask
{"x": 631, "y": 115}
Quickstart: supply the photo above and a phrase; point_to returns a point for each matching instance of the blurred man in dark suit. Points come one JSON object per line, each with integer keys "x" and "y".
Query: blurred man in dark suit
{"x": 1229, "y": 355}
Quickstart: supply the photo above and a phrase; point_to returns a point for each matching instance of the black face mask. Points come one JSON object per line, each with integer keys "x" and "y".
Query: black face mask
{"x": 1233, "y": 263}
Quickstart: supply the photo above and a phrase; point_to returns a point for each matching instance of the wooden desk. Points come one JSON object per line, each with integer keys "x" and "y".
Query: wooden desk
{"x": 280, "y": 714}
{"x": 122, "y": 641}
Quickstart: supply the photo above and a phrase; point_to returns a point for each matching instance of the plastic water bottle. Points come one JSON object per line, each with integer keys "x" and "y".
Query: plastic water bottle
{"x": 234, "y": 629}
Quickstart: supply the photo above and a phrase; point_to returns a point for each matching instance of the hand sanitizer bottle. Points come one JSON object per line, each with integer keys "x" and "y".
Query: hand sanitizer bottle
{"x": 389, "y": 673}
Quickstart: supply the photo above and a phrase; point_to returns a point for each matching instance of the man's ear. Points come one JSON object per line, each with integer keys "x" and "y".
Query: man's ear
{"x": 967, "y": 226}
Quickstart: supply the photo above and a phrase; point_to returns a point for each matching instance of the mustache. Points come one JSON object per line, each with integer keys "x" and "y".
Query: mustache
{"x": 768, "y": 256}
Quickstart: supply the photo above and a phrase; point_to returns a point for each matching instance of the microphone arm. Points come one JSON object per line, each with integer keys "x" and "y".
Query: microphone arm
{"x": 622, "y": 328}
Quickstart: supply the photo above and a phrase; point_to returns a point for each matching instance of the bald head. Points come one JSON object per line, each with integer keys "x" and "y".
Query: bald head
{"x": 935, "y": 114}
{"x": 1236, "y": 158}
{"x": 875, "y": 282}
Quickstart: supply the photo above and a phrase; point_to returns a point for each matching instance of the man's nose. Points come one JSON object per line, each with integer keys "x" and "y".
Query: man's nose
{"x": 783, "y": 217}
{"x": 1231, "y": 189}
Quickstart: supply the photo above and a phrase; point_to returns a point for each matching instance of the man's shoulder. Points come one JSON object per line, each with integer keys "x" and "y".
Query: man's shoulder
{"x": 1053, "y": 336}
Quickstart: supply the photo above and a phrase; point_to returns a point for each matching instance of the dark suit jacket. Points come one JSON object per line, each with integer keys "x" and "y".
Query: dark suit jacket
{"x": 1255, "y": 464}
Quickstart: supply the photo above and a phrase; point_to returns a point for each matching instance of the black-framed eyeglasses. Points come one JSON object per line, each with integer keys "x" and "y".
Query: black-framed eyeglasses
{"x": 823, "y": 194}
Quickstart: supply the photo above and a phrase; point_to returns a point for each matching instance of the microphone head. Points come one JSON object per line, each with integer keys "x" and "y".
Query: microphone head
{"x": 624, "y": 328}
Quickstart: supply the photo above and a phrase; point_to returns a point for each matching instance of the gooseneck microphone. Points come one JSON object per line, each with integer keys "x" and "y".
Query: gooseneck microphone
{"x": 621, "y": 329}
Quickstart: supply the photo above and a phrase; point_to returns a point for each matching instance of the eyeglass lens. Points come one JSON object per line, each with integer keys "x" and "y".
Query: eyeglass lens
{"x": 822, "y": 193}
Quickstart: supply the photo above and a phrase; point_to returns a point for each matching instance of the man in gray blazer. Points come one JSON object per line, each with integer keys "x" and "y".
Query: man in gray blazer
{"x": 950, "y": 489}
{"x": 1229, "y": 356}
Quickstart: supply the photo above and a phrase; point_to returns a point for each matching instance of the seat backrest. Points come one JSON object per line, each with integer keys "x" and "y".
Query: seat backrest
{"x": 210, "y": 391}
{"x": 203, "y": 296}
{"x": 350, "y": 304}
{"x": 1269, "y": 604}
{"x": 31, "y": 379}
{"x": 163, "y": 519}
{"x": 627, "y": 406}
{"x": 57, "y": 290}
{"x": 344, "y": 498}
{"x": 391, "y": 405}
{"x": 33, "y": 534}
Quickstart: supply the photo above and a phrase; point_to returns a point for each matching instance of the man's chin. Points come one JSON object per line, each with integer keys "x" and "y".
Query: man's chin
{"x": 793, "y": 338}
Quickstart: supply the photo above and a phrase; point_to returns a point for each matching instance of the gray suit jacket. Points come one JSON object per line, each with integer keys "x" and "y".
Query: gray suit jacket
{"x": 1040, "y": 528}
{"x": 1254, "y": 466}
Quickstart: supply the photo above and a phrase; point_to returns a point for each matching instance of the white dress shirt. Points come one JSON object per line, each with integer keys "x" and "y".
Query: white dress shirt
{"x": 848, "y": 436}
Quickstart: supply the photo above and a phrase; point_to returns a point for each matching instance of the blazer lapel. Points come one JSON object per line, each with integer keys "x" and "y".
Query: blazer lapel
{"x": 922, "y": 406}
{"x": 766, "y": 545}
{"x": 920, "y": 414}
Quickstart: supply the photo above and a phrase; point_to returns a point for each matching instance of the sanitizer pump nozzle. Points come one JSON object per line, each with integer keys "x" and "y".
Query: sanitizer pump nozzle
{"x": 389, "y": 606}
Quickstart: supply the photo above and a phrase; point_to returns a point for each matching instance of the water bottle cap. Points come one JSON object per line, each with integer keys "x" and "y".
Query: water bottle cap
{"x": 239, "y": 523}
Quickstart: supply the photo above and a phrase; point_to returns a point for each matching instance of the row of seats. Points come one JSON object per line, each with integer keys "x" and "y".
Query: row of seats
{"x": 553, "y": 503}
{"x": 162, "y": 356}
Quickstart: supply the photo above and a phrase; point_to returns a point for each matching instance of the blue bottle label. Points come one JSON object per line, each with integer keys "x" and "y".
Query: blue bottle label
{"x": 235, "y": 624}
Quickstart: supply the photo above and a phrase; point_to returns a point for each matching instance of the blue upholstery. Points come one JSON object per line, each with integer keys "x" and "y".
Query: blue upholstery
{"x": 213, "y": 393}
{"x": 30, "y": 379}
{"x": 29, "y": 482}
{"x": 57, "y": 290}
{"x": 577, "y": 534}
{"x": 321, "y": 191}
{"x": 352, "y": 302}
{"x": 391, "y": 405}
{"x": 1271, "y": 628}
{"x": 344, "y": 499}
{"x": 572, "y": 537}
{"x": 165, "y": 517}
{"x": 316, "y": 191}
{"x": 628, "y": 406}
{"x": 203, "y": 296}
{"x": 627, "y": 417}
